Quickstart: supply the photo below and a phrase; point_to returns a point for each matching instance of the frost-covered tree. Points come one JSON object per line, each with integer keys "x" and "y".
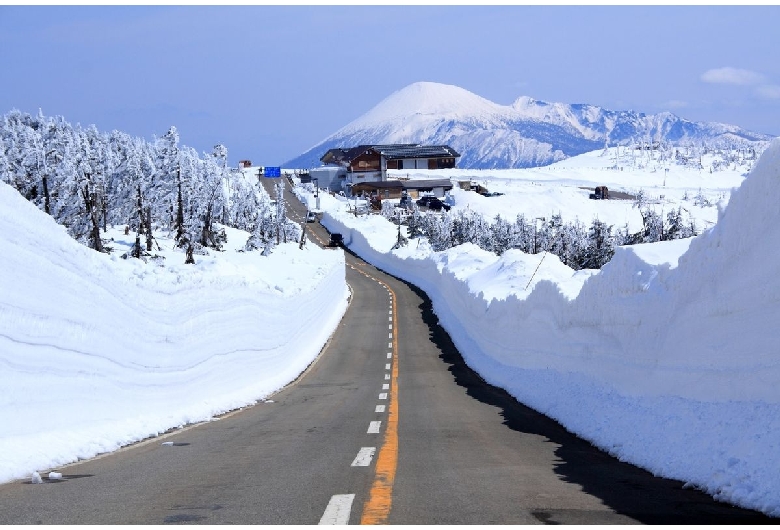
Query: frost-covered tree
{"x": 265, "y": 226}
{"x": 86, "y": 180}
{"x": 438, "y": 229}
{"x": 600, "y": 247}
{"x": 678, "y": 227}
{"x": 640, "y": 199}
{"x": 414, "y": 222}
{"x": 653, "y": 227}
{"x": 501, "y": 236}
{"x": 522, "y": 234}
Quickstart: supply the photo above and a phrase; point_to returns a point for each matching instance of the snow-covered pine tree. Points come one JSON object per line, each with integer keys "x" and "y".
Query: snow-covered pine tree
{"x": 501, "y": 236}
{"x": 600, "y": 247}
{"x": 640, "y": 199}
{"x": 522, "y": 234}
{"x": 653, "y": 227}
{"x": 212, "y": 202}
{"x": 438, "y": 230}
{"x": 265, "y": 226}
{"x": 415, "y": 223}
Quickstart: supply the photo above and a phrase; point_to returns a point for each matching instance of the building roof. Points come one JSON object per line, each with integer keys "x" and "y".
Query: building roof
{"x": 427, "y": 184}
{"x": 395, "y": 152}
{"x": 390, "y": 152}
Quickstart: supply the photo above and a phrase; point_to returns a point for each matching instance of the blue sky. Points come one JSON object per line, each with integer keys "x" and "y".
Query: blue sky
{"x": 269, "y": 82}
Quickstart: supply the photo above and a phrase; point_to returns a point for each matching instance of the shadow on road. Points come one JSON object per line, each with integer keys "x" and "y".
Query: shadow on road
{"x": 626, "y": 489}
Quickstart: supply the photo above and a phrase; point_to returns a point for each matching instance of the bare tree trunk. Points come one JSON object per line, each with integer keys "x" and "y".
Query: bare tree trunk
{"x": 137, "y": 247}
{"x": 189, "y": 260}
{"x": 89, "y": 204}
{"x": 46, "y": 200}
{"x": 179, "y": 209}
{"x": 303, "y": 238}
{"x": 148, "y": 227}
{"x": 205, "y": 234}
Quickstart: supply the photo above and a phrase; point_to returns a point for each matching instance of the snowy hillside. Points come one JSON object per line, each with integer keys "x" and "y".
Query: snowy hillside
{"x": 528, "y": 133}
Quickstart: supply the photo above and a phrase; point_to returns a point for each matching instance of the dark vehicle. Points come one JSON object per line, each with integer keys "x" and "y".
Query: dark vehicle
{"x": 436, "y": 205}
{"x": 336, "y": 240}
{"x": 600, "y": 193}
{"x": 425, "y": 201}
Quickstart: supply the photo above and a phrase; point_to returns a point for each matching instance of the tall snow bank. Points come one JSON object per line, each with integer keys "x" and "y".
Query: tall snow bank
{"x": 97, "y": 352}
{"x": 673, "y": 368}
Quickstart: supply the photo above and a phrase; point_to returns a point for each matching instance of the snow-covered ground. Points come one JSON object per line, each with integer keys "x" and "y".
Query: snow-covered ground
{"x": 666, "y": 357}
{"x": 559, "y": 188}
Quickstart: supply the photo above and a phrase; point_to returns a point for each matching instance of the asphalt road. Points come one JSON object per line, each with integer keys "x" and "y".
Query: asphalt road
{"x": 387, "y": 426}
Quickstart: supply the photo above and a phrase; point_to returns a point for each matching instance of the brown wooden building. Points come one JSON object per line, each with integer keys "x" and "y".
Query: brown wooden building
{"x": 369, "y": 163}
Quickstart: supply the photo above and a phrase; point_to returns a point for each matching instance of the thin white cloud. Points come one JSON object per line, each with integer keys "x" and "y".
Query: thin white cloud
{"x": 732, "y": 76}
{"x": 674, "y": 104}
{"x": 769, "y": 91}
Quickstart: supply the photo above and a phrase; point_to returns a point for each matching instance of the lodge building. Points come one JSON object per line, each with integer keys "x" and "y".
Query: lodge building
{"x": 356, "y": 169}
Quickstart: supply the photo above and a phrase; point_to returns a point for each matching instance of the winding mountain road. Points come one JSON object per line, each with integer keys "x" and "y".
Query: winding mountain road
{"x": 387, "y": 426}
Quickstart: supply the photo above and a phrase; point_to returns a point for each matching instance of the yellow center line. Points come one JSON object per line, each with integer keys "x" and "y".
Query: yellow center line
{"x": 377, "y": 508}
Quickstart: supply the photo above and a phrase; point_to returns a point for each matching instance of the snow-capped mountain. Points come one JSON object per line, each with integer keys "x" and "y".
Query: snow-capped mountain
{"x": 527, "y": 133}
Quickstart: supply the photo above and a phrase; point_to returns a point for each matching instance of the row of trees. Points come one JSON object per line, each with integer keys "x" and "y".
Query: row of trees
{"x": 88, "y": 180}
{"x": 723, "y": 153}
{"x": 576, "y": 245}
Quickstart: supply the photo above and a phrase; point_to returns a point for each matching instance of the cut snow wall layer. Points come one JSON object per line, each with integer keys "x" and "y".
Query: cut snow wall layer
{"x": 97, "y": 352}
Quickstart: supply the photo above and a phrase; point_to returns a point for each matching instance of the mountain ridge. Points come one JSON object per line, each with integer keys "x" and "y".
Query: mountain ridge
{"x": 527, "y": 133}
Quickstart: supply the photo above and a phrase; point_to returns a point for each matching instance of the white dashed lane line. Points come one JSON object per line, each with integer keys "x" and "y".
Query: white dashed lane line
{"x": 340, "y": 506}
{"x": 373, "y": 427}
{"x": 338, "y": 509}
{"x": 364, "y": 457}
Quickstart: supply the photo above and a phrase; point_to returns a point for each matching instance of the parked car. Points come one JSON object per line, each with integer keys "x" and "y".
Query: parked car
{"x": 425, "y": 200}
{"x": 436, "y": 205}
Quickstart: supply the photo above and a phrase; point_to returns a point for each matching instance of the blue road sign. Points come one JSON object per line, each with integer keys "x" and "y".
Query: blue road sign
{"x": 272, "y": 172}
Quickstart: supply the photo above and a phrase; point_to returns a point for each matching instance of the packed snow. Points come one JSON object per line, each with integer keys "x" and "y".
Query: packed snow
{"x": 665, "y": 358}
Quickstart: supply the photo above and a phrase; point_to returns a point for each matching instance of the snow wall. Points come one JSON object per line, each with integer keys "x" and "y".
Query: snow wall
{"x": 674, "y": 369}
{"x": 97, "y": 352}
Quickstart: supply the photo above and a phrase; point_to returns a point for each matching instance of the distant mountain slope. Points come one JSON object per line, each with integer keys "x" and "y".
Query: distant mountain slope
{"x": 527, "y": 133}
